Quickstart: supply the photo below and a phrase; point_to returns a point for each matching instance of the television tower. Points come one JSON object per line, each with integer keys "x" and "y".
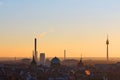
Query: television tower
{"x": 107, "y": 43}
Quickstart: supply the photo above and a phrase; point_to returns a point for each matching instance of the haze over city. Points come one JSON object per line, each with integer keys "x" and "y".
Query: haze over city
{"x": 75, "y": 25}
{"x": 59, "y": 40}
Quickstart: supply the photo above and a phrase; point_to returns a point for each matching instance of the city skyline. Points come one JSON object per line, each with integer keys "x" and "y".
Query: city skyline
{"x": 75, "y": 26}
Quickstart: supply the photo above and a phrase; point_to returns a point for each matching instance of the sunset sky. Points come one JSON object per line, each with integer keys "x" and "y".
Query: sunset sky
{"x": 79, "y": 26}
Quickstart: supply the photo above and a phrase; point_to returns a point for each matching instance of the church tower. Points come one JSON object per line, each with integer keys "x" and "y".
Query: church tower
{"x": 33, "y": 65}
{"x": 80, "y": 64}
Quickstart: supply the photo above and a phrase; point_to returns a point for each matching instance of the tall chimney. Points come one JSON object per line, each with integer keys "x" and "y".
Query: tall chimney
{"x": 35, "y": 49}
{"x": 35, "y": 45}
{"x": 64, "y": 54}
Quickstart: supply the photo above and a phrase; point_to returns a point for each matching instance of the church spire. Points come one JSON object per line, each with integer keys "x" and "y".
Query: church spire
{"x": 33, "y": 59}
{"x": 81, "y": 58}
{"x": 80, "y": 64}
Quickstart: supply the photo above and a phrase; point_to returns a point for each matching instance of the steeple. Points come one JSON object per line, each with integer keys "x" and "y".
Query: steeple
{"x": 33, "y": 60}
{"x": 81, "y": 58}
{"x": 80, "y": 64}
{"x": 33, "y": 65}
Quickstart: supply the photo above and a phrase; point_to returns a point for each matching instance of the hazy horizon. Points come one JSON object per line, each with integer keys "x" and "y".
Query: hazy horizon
{"x": 62, "y": 58}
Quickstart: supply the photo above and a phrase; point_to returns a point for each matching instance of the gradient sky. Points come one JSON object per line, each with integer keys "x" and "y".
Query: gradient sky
{"x": 79, "y": 26}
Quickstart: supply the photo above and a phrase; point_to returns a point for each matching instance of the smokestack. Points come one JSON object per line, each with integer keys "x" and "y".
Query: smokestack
{"x": 64, "y": 54}
{"x": 35, "y": 45}
{"x": 35, "y": 49}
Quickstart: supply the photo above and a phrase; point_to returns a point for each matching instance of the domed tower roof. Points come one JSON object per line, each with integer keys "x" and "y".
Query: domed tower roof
{"x": 55, "y": 60}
